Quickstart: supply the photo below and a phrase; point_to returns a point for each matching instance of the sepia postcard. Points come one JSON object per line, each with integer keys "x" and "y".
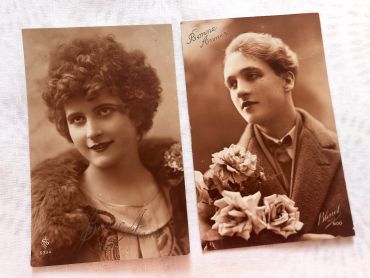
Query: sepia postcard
{"x": 267, "y": 161}
{"x": 106, "y": 158}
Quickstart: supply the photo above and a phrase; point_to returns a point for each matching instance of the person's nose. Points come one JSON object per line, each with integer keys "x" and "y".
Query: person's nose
{"x": 243, "y": 89}
{"x": 93, "y": 129}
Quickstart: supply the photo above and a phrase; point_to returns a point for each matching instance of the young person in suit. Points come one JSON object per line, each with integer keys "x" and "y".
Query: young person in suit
{"x": 299, "y": 155}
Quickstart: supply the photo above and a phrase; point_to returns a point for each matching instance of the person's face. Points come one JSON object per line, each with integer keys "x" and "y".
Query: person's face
{"x": 256, "y": 90}
{"x": 101, "y": 129}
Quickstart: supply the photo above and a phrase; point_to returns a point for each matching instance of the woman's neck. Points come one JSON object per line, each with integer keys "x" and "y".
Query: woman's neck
{"x": 127, "y": 183}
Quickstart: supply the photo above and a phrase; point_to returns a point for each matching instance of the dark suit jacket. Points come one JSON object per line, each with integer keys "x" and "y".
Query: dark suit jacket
{"x": 318, "y": 189}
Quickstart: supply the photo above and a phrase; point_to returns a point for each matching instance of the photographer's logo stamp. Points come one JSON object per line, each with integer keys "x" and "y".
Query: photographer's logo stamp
{"x": 45, "y": 242}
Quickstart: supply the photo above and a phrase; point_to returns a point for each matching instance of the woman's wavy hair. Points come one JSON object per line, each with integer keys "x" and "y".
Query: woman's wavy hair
{"x": 84, "y": 67}
{"x": 272, "y": 50}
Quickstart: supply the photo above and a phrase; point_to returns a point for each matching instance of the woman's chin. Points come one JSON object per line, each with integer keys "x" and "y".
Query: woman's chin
{"x": 103, "y": 162}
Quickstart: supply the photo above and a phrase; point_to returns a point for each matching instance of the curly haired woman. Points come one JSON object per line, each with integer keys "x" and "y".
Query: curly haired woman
{"x": 116, "y": 196}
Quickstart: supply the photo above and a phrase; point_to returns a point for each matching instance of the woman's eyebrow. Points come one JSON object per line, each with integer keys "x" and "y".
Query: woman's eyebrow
{"x": 72, "y": 115}
{"x": 108, "y": 104}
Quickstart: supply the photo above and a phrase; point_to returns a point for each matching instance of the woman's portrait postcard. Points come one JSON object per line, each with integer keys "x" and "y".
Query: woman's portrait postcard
{"x": 105, "y": 147}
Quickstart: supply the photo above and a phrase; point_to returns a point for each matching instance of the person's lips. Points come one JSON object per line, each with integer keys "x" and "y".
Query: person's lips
{"x": 100, "y": 147}
{"x": 246, "y": 104}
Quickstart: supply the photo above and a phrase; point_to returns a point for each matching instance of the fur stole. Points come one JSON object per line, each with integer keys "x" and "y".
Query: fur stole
{"x": 59, "y": 214}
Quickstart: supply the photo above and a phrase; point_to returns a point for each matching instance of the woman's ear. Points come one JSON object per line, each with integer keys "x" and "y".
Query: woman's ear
{"x": 139, "y": 133}
{"x": 289, "y": 80}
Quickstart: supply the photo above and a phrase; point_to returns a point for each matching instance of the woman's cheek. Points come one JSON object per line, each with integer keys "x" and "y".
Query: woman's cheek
{"x": 76, "y": 135}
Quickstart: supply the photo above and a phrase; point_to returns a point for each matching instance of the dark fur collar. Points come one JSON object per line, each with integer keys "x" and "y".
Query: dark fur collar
{"x": 58, "y": 213}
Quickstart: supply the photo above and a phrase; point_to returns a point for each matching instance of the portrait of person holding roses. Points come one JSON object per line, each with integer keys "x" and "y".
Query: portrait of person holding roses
{"x": 283, "y": 179}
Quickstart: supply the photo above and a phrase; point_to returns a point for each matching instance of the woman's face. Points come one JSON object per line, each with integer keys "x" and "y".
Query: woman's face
{"x": 101, "y": 129}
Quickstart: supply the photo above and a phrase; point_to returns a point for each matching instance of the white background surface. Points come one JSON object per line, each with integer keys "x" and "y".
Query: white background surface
{"x": 346, "y": 34}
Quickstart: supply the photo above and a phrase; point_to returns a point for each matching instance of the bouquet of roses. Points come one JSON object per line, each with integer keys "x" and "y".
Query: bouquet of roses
{"x": 229, "y": 193}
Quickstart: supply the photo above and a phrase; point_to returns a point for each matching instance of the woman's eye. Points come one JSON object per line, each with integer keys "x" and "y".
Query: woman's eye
{"x": 105, "y": 111}
{"x": 77, "y": 120}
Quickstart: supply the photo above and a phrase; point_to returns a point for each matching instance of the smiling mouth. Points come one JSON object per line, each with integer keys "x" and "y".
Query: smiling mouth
{"x": 247, "y": 104}
{"x": 100, "y": 147}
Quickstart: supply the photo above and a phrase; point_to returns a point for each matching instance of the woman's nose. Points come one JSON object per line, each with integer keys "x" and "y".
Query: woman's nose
{"x": 93, "y": 129}
{"x": 243, "y": 90}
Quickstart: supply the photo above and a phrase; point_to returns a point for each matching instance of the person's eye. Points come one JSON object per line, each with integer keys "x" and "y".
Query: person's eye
{"x": 232, "y": 84}
{"x": 105, "y": 111}
{"x": 76, "y": 120}
{"x": 251, "y": 76}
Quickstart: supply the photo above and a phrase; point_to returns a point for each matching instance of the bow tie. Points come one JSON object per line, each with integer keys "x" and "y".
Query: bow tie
{"x": 286, "y": 142}
{"x": 279, "y": 149}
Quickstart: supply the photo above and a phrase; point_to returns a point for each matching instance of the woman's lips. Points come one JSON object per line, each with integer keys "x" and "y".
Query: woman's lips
{"x": 246, "y": 104}
{"x": 100, "y": 147}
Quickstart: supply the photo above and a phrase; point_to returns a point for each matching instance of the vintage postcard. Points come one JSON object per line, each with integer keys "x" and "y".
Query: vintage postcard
{"x": 106, "y": 158}
{"x": 266, "y": 153}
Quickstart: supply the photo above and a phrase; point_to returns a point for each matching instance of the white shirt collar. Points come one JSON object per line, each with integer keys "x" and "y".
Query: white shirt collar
{"x": 292, "y": 132}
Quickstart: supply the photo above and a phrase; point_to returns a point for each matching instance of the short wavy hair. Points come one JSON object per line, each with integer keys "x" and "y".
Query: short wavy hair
{"x": 272, "y": 50}
{"x": 83, "y": 67}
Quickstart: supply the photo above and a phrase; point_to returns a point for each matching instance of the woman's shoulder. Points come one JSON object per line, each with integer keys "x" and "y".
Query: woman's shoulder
{"x": 62, "y": 172}
{"x": 57, "y": 179}
{"x": 69, "y": 163}
{"x": 163, "y": 158}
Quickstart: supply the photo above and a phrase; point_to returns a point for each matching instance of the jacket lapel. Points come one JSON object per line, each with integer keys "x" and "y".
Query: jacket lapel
{"x": 317, "y": 161}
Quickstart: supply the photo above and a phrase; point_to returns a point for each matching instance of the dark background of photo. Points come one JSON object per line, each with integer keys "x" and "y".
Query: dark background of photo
{"x": 215, "y": 122}
{"x": 154, "y": 40}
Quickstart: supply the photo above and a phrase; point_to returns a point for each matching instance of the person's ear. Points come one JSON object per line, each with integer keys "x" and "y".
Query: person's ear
{"x": 138, "y": 126}
{"x": 289, "y": 81}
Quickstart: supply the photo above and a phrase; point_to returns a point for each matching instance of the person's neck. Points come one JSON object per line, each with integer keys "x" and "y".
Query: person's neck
{"x": 280, "y": 126}
{"x": 126, "y": 183}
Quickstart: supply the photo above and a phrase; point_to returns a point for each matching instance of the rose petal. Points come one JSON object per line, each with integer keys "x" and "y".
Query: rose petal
{"x": 289, "y": 227}
{"x": 225, "y": 231}
{"x": 231, "y": 169}
{"x": 216, "y": 215}
{"x": 298, "y": 225}
{"x": 245, "y": 233}
{"x": 220, "y": 203}
{"x": 229, "y": 224}
{"x": 269, "y": 199}
{"x": 224, "y": 211}
{"x": 286, "y": 200}
{"x": 281, "y": 220}
{"x": 250, "y": 202}
{"x": 237, "y": 213}
{"x": 238, "y": 228}
{"x": 259, "y": 220}
{"x": 282, "y": 217}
